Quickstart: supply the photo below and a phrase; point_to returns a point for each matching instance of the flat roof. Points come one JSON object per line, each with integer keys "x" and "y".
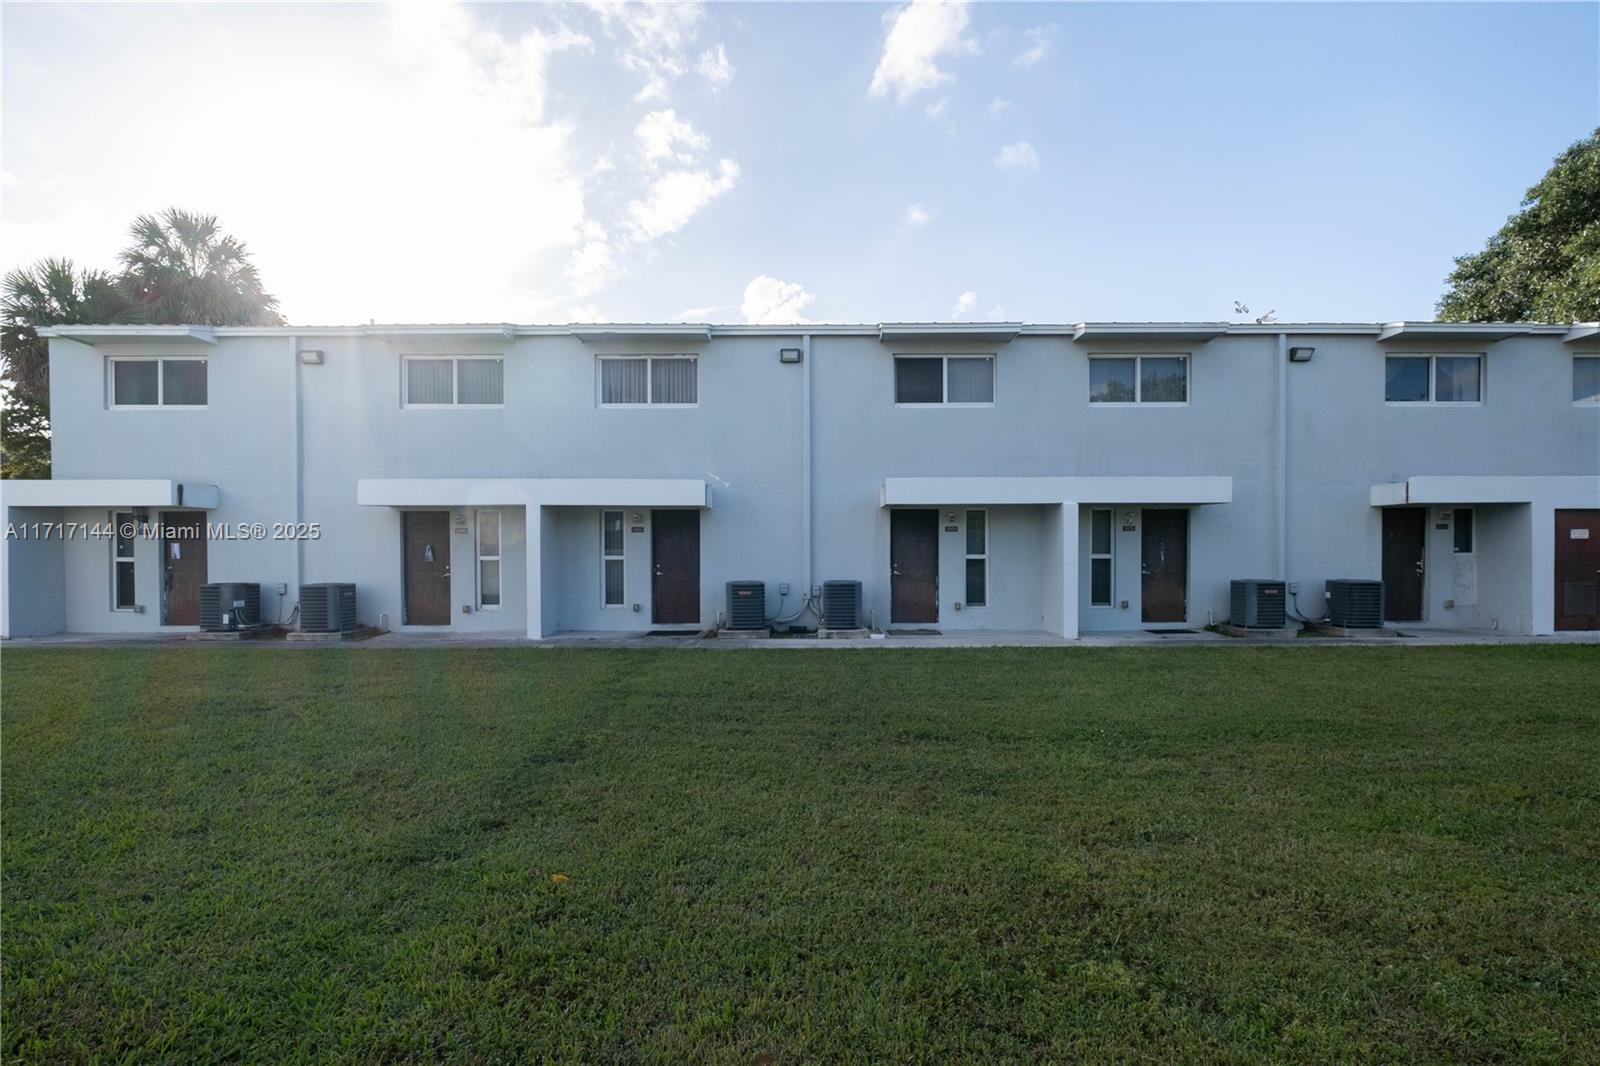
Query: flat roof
{"x": 888, "y": 332}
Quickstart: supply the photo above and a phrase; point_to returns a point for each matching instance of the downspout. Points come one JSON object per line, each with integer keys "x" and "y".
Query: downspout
{"x": 806, "y": 549}
{"x": 299, "y": 480}
{"x": 1281, "y": 459}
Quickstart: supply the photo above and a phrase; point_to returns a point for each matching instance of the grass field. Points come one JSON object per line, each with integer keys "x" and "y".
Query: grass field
{"x": 502, "y": 854}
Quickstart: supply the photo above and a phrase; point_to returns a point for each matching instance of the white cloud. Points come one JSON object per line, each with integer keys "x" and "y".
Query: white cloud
{"x": 584, "y": 313}
{"x": 663, "y": 135}
{"x": 770, "y": 302}
{"x": 920, "y": 34}
{"x": 652, "y": 40}
{"x": 696, "y": 314}
{"x": 937, "y": 108}
{"x": 966, "y": 303}
{"x": 917, "y": 215}
{"x": 713, "y": 66}
{"x": 677, "y": 196}
{"x": 1038, "y": 48}
{"x": 997, "y": 107}
{"x": 1019, "y": 156}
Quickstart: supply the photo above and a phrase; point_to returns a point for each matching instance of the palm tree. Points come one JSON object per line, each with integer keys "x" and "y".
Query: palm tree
{"x": 52, "y": 292}
{"x": 182, "y": 268}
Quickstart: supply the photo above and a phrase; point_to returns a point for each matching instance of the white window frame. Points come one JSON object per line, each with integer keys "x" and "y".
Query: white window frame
{"x": 1110, "y": 555}
{"x": 161, "y": 382}
{"x": 1595, "y": 402}
{"x": 455, "y": 383}
{"x": 1433, "y": 379}
{"x": 1138, "y": 380}
{"x": 968, "y": 556}
{"x": 944, "y": 378}
{"x": 621, "y": 556}
{"x": 649, "y": 382}
{"x": 500, "y": 547}
{"x": 131, "y": 559}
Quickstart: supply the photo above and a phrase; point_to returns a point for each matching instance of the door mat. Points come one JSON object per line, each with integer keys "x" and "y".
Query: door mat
{"x": 914, "y": 633}
{"x": 672, "y": 633}
{"x": 1170, "y": 632}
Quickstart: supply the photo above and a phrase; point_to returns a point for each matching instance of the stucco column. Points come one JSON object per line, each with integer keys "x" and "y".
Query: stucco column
{"x": 1542, "y": 567}
{"x": 1065, "y": 622}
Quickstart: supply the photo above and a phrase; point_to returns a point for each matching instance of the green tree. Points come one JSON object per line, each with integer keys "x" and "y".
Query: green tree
{"x": 181, "y": 268}
{"x": 52, "y": 292}
{"x": 1544, "y": 264}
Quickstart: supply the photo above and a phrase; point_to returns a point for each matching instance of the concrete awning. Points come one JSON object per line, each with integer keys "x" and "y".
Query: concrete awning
{"x": 109, "y": 492}
{"x": 534, "y": 492}
{"x": 999, "y": 491}
{"x": 1449, "y": 489}
{"x": 949, "y": 332}
{"x": 123, "y": 334}
{"x": 1181, "y": 332}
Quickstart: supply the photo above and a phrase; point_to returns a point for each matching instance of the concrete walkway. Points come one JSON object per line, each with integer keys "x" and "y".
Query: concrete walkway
{"x": 1401, "y": 638}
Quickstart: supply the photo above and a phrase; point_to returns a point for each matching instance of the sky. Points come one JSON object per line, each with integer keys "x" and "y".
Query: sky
{"x": 799, "y": 162}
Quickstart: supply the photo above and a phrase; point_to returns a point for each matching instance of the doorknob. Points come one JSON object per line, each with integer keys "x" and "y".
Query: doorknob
{"x": 659, "y": 573}
{"x": 894, "y": 571}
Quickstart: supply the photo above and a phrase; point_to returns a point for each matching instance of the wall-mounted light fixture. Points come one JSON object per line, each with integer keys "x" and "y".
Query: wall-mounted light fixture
{"x": 311, "y": 356}
{"x": 637, "y": 518}
{"x": 952, "y": 517}
{"x": 1127, "y": 519}
{"x": 789, "y": 355}
{"x": 1301, "y": 355}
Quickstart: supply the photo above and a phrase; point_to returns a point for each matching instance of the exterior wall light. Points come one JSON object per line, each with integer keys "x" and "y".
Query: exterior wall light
{"x": 1301, "y": 355}
{"x": 789, "y": 355}
{"x": 311, "y": 357}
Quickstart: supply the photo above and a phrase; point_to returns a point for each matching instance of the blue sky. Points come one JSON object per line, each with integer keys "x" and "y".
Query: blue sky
{"x": 823, "y": 162}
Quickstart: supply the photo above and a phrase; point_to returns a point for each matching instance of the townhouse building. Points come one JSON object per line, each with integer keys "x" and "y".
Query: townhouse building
{"x": 539, "y": 480}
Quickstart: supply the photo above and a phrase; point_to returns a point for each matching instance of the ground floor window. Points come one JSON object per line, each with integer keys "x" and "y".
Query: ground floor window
{"x": 124, "y": 534}
{"x": 1100, "y": 557}
{"x": 1463, "y": 531}
{"x": 488, "y": 560}
{"x": 611, "y": 559}
{"x": 977, "y": 558}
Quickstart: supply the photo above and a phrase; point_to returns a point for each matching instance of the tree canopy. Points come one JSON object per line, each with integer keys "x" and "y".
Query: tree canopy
{"x": 180, "y": 269}
{"x": 1544, "y": 264}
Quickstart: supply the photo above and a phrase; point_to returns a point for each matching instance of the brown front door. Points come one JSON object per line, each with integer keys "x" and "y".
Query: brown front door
{"x": 675, "y": 567}
{"x": 1578, "y": 569}
{"x": 1164, "y": 566}
{"x": 1403, "y": 531}
{"x": 427, "y": 554}
{"x": 914, "y": 566}
{"x": 183, "y": 566}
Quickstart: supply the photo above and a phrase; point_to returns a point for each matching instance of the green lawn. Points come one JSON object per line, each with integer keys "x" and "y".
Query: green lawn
{"x": 505, "y": 854}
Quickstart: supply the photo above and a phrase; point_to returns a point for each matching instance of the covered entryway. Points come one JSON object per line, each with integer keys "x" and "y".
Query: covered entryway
{"x": 426, "y": 551}
{"x": 675, "y": 567}
{"x": 1577, "y": 569}
{"x": 1404, "y": 554}
{"x": 183, "y": 566}
{"x": 913, "y": 566}
{"x": 1164, "y": 565}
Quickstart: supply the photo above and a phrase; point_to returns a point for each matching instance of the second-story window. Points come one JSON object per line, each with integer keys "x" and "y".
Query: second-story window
{"x": 649, "y": 381}
{"x": 1139, "y": 379}
{"x": 1586, "y": 379}
{"x": 944, "y": 379}
{"x": 1433, "y": 379}
{"x": 168, "y": 381}
{"x": 453, "y": 381}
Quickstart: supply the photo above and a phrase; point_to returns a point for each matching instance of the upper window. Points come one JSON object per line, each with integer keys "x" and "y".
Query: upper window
{"x": 454, "y": 381}
{"x": 1139, "y": 379}
{"x": 940, "y": 379}
{"x": 657, "y": 380}
{"x": 1586, "y": 379}
{"x": 170, "y": 381}
{"x": 1433, "y": 379}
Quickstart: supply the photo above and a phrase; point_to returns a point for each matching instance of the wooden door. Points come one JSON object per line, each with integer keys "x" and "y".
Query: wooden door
{"x": 427, "y": 567}
{"x": 913, "y": 566}
{"x": 675, "y": 567}
{"x": 183, "y": 566}
{"x": 1164, "y": 566}
{"x": 1578, "y": 569}
{"x": 1404, "y": 533}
